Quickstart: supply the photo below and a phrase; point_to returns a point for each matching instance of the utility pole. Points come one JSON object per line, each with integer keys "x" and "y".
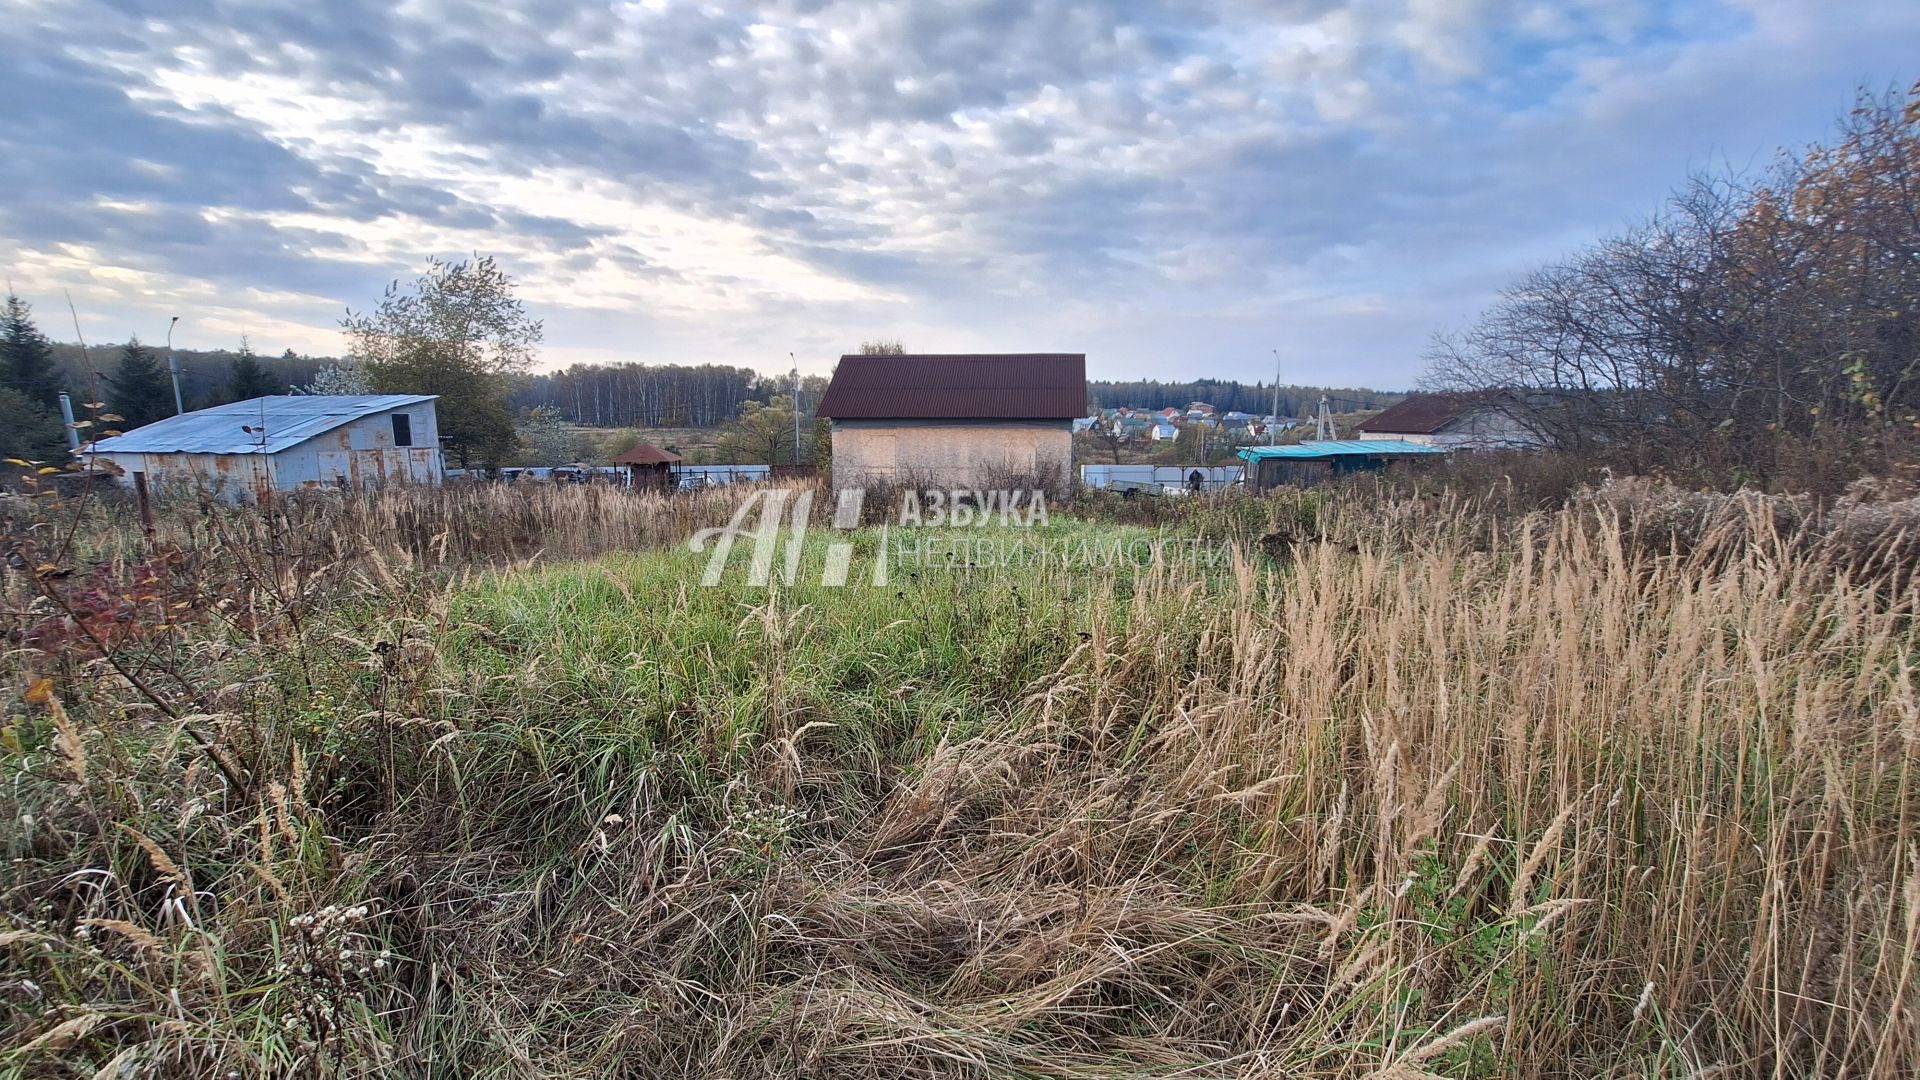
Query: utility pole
{"x": 1273, "y": 422}
{"x": 796, "y": 409}
{"x": 173, "y": 366}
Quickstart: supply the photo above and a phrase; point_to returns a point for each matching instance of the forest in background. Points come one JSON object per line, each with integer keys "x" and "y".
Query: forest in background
{"x": 694, "y": 395}
{"x": 1229, "y": 395}
{"x": 205, "y": 374}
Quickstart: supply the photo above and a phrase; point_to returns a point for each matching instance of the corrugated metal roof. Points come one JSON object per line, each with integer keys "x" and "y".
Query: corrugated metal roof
{"x": 1002, "y": 386}
{"x": 1311, "y": 451}
{"x": 276, "y": 422}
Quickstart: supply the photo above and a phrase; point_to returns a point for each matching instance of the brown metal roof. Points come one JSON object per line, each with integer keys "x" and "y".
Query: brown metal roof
{"x": 645, "y": 454}
{"x": 1421, "y": 414}
{"x": 1000, "y": 386}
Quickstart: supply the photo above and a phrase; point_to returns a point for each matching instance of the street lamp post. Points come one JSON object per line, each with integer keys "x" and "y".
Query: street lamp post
{"x": 173, "y": 367}
{"x": 1273, "y": 422}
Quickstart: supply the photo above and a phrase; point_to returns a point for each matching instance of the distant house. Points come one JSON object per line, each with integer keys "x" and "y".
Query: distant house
{"x": 1132, "y": 427}
{"x": 955, "y": 421}
{"x": 1164, "y": 430}
{"x": 250, "y": 449}
{"x": 1453, "y": 422}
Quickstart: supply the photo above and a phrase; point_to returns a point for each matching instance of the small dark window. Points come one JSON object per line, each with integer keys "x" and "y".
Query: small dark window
{"x": 402, "y": 429}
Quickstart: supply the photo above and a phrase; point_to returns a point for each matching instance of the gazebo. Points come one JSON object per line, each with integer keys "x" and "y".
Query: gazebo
{"x": 649, "y": 466}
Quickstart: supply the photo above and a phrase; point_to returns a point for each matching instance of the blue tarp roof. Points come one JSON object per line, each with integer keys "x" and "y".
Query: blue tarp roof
{"x": 277, "y": 422}
{"x": 1320, "y": 451}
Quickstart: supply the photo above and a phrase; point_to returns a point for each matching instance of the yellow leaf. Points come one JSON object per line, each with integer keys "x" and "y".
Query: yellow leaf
{"x": 111, "y": 418}
{"x": 40, "y": 693}
{"x": 81, "y": 424}
{"x": 94, "y": 405}
{"x": 45, "y": 568}
{"x": 48, "y": 470}
{"x": 22, "y": 464}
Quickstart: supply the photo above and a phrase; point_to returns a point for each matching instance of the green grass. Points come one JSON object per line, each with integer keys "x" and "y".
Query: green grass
{"x": 631, "y": 651}
{"x": 1406, "y": 792}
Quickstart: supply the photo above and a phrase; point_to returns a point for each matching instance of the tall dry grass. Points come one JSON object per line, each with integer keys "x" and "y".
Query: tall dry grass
{"x": 460, "y": 526}
{"x": 1408, "y": 790}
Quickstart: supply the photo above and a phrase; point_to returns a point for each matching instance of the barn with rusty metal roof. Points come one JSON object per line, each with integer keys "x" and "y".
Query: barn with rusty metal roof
{"x": 951, "y": 421}
{"x": 249, "y": 449}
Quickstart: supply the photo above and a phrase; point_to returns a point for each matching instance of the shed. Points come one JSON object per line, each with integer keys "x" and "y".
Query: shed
{"x": 1317, "y": 462}
{"x": 249, "y": 449}
{"x": 955, "y": 421}
{"x": 648, "y": 466}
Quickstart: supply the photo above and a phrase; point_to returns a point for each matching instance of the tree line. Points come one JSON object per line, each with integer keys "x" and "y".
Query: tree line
{"x": 130, "y": 390}
{"x": 671, "y": 395}
{"x": 1751, "y": 325}
{"x": 646, "y": 395}
{"x": 1228, "y": 395}
{"x": 207, "y": 376}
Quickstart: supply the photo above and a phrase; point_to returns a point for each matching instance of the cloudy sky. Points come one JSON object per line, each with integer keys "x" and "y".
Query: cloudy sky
{"x": 1175, "y": 188}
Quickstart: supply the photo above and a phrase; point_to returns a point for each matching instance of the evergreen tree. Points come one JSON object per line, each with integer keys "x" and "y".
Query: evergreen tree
{"x": 139, "y": 392}
{"x": 26, "y": 356}
{"x": 28, "y": 431}
{"x": 247, "y": 379}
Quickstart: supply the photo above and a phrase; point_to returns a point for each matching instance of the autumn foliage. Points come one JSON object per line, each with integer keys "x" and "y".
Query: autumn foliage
{"x": 1751, "y": 325}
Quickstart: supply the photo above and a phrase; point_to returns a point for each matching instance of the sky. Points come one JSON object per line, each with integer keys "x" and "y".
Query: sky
{"x": 1177, "y": 189}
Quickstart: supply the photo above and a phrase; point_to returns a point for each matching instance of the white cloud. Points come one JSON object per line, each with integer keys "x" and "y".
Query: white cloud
{"x": 724, "y": 181}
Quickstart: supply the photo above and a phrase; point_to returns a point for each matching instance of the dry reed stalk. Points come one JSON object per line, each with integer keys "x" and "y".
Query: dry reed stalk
{"x": 1646, "y": 807}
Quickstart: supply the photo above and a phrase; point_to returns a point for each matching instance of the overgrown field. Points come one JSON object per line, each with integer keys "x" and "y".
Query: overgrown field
{"x": 1401, "y": 788}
